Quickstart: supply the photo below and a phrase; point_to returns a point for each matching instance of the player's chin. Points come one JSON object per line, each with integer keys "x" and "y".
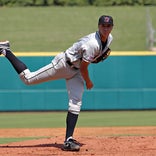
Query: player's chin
{"x": 105, "y": 33}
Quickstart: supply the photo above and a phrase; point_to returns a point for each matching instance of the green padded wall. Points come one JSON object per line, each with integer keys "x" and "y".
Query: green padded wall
{"x": 120, "y": 83}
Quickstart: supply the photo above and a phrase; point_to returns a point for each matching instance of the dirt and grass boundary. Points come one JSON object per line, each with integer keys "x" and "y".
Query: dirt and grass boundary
{"x": 102, "y": 141}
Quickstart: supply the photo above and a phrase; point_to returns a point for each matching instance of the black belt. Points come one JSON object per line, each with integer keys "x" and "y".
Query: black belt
{"x": 71, "y": 65}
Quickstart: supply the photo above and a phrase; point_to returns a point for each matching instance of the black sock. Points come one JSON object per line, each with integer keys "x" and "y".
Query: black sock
{"x": 16, "y": 63}
{"x": 71, "y": 121}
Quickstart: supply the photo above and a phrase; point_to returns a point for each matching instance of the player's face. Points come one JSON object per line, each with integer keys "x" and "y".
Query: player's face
{"x": 105, "y": 30}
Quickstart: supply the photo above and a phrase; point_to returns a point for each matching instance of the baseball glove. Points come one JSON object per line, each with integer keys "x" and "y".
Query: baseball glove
{"x": 103, "y": 56}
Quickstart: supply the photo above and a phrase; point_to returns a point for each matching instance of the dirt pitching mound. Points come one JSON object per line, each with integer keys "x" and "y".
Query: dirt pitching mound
{"x": 115, "y": 141}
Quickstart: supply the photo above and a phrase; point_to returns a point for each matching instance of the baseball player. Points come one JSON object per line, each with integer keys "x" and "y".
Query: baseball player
{"x": 71, "y": 65}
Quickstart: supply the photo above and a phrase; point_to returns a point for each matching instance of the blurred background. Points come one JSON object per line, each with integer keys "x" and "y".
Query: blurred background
{"x": 53, "y": 25}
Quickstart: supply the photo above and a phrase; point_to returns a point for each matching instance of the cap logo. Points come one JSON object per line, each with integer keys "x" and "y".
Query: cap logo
{"x": 106, "y": 19}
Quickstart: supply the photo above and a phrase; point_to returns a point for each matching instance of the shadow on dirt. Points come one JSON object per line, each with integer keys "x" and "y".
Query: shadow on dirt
{"x": 55, "y": 145}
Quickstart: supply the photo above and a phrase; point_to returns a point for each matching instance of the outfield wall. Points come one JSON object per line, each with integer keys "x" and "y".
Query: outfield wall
{"x": 126, "y": 80}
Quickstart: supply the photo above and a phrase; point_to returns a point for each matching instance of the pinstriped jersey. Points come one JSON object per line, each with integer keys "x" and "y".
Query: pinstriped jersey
{"x": 87, "y": 48}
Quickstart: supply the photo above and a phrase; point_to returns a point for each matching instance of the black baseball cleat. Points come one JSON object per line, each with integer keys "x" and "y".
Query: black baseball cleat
{"x": 71, "y": 145}
{"x": 4, "y": 45}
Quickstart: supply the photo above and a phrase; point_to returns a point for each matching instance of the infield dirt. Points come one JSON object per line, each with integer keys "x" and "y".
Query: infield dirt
{"x": 102, "y": 141}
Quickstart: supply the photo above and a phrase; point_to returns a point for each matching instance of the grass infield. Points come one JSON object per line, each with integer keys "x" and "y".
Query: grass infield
{"x": 9, "y": 140}
{"x": 86, "y": 119}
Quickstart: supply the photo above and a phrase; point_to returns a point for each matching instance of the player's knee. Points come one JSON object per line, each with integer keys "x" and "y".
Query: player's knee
{"x": 75, "y": 108}
{"x": 23, "y": 76}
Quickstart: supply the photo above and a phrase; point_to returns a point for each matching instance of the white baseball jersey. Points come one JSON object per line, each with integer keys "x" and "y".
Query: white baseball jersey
{"x": 87, "y": 48}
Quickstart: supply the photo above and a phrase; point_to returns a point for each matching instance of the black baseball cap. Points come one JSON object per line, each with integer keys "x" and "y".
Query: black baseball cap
{"x": 105, "y": 19}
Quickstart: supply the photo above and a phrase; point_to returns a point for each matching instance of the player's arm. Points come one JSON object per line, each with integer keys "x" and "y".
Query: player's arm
{"x": 85, "y": 74}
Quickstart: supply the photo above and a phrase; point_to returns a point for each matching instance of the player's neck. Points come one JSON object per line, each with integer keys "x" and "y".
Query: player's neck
{"x": 103, "y": 39}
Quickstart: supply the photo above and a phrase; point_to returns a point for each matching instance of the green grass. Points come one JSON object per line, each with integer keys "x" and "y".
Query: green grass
{"x": 9, "y": 140}
{"x": 86, "y": 119}
{"x": 56, "y": 28}
{"x": 32, "y": 120}
{"x": 118, "y": 118}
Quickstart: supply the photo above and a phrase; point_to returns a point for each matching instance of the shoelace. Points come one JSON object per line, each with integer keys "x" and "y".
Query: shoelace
{"x": 73, "y": 140}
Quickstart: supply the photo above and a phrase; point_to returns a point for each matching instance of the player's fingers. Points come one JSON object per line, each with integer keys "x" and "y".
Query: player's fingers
{"x": 89, "y": 86}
